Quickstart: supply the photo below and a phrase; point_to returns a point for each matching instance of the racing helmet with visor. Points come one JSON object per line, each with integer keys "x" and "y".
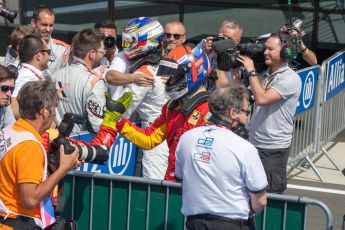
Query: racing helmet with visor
{"x": 187, "y": 69}
{"x": 140, "y": 36}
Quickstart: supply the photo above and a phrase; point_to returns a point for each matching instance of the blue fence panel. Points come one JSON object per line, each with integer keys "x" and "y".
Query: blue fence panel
{"x": 122, "y": 157}
{"x": 309, "y": 78}
{"x": 335, "y": 76}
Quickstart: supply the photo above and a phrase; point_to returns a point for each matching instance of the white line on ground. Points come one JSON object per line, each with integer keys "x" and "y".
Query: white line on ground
{"x": 325, "y": 190}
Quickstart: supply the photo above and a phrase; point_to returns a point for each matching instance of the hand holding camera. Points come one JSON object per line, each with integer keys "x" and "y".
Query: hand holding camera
{"x": 69, "y": 161}
{"x": 97, "y": 154}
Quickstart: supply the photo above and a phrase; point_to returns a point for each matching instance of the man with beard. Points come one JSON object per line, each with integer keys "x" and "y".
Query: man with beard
{"x": 81, "y": 89}
{"x": 34, "y": 56}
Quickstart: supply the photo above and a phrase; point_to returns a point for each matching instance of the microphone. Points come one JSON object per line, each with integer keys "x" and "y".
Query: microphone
{"x": 223, "y": 45}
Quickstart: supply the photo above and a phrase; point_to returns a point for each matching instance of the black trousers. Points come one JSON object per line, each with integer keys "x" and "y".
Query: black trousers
{"x": 275, "y": 163}
{"x": 212, "y": 222}
{"x": 20, "y": 223}
{"x": 26, "y": 223}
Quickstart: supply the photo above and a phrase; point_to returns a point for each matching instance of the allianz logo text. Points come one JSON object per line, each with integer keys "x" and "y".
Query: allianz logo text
{"x": 308, "y": 90}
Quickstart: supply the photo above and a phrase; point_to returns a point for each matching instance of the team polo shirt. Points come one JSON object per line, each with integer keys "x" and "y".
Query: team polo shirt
{"x": 218, "y": 170}
{"x": 26, "y": 73}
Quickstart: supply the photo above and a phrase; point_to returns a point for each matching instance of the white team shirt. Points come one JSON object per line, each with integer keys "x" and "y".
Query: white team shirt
{"x": 218, "y": 169}
{"x": 121, "y": 64}
{"x": 25, "y": 74}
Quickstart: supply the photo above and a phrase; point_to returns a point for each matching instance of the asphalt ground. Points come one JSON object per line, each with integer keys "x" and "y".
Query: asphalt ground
{"x": 303, "y": 181}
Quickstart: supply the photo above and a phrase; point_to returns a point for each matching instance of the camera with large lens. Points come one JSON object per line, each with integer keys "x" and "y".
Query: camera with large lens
{"x": 218, "y": 38}
{"x": 109, "y": 42}
{"x": 227, "y": 53}
{"x": 10, "y": 15}
{"x": 97, "y": 154}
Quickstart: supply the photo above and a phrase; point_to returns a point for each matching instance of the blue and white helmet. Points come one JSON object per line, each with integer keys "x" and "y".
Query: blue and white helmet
{"x": 140, "y": 36}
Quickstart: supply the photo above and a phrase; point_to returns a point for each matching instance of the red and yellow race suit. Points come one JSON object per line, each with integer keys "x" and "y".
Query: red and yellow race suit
{"x": 170, "y": 125}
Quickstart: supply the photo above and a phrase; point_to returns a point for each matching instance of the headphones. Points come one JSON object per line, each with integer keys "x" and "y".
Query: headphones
{"x": 286, "y": 53}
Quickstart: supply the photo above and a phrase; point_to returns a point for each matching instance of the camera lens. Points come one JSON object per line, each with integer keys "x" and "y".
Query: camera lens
{"x": 97, "y": 154}
{"x": 109, "y": 42}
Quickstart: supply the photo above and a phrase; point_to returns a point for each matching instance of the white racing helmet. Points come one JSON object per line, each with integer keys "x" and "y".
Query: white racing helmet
{"x": 140, "y": 36}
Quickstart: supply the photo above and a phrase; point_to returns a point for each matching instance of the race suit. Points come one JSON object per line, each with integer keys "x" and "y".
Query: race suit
{"x": 170, "y": 125}
{"x": 81, "y": 91}
{"x": 59, "y": 55}
{"x": 148, "y": 102}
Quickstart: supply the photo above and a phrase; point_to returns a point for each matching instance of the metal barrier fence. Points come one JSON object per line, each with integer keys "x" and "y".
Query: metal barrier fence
{"x": 305, "y": 120}
{"x": 100, "y": 201}
{"x": 317, "y": 125}
{"x": 333, "y": 104}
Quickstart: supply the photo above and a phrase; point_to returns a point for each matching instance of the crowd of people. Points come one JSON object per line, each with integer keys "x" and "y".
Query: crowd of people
{"x": 194, "y": 117}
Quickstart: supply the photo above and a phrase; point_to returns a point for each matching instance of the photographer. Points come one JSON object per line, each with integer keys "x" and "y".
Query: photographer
{"x": 24, "y": 185}
{"x": 276, "y": 96}
{"x": 108, "y": 28}
{"x": 222, "y": 176}
{"x": 229, "y": 29}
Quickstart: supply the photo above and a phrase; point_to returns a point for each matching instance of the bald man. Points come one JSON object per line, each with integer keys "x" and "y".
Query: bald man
{"x": 175, "y": 34}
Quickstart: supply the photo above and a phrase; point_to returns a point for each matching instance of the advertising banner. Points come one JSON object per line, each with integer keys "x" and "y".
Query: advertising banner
{"x": 335, "y": 76}
{"x": 309, "y": 78}
{"x": 122, "y": 157}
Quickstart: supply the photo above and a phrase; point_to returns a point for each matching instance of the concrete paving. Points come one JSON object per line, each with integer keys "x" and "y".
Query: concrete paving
{"x": 303, "y": 181}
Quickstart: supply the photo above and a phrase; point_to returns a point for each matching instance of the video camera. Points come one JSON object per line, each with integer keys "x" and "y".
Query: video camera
{"x": 294, "y": 41}
{"x": 97, "y": 154}
{"x": 10, "y": 15}
{"x": 227, "y": 52}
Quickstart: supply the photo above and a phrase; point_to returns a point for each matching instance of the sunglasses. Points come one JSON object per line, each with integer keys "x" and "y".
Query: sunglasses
{"x": 6, "y": 88}
{"x": 247, "y": 112}
{"x": 176, "y": 36}
{"x": 101, "y": 51}
{"x": 48, "y": 51}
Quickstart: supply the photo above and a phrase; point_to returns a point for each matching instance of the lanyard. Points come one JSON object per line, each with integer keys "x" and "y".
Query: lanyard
{"x": 94, "y": 80}
{"x": 78, "y": 62}
{"x": 37, "y": 75}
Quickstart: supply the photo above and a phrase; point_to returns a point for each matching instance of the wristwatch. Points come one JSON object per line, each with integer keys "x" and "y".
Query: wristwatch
{"x": 252, "y": 73}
